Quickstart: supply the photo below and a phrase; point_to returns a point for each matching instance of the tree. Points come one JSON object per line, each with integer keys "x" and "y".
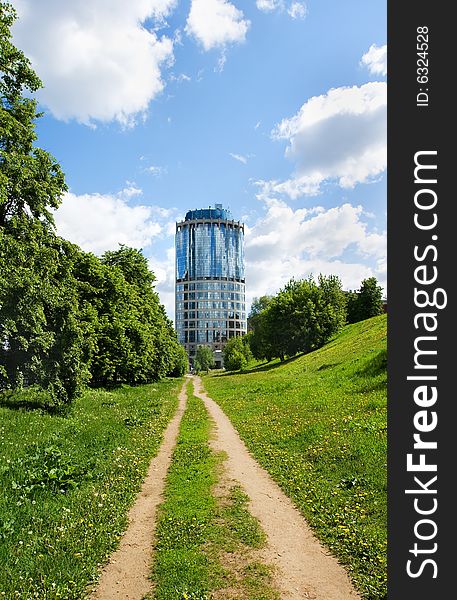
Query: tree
{"x": 181, "y": 362}
{"x": 31, "y": 182}
{"x": 65, "y": 314}
{"x": 41, "y": 342}
{"x": 365, "y": 303}
{"x": 134, "y": 341}
{"x": 204, "y": 359}
{"x": 237, "y": 353}
{"x": 300, "y": 318}
{"x": 258, "y": 336}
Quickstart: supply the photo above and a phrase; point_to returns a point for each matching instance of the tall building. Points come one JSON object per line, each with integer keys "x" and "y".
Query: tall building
{"x": 210, "y": 284}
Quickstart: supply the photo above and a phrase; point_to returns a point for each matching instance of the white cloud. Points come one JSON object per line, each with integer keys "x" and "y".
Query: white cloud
{"x": 239, "y": 157}
{"x": 98, "y": 222}
{"x": 307, "y": 185}
{"x": 287, "y": 243}
{"x": 216, "y": 23}
{"x": 297, "y": 10}
{"x": 98, "y": 60}
{"x": 180, "y": 78}
{"x": 130, "y": 191}
{"x": 221, "y": 62}
{"x": 155, "y": 170}
{"x": 269, "y": 5}
{"x": 376, "y": 60}
{"x": 338, "y": 136}
{"x": 164, "y": 270}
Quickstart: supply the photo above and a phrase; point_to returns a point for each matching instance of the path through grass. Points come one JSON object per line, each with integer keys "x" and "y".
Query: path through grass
{"x": 205, "y": 535}
{"x": 318, "y": 425}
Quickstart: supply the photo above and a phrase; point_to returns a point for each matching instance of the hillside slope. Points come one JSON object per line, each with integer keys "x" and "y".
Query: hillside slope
{"x": 317, "y": 423}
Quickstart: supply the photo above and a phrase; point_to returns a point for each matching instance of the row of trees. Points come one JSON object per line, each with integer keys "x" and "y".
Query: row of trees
{"x": 302, "y": 317}
{"x": 67, "y": 317}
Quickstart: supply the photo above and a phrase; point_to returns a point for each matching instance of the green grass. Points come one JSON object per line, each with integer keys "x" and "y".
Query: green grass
{"x": 182, "y": 569}
{"x": 67, "y": 482}
{"x": 196, "y": 525}
{"x": 318, "y": 424}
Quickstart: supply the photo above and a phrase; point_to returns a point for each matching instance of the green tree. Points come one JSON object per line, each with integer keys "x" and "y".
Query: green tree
{"x": 300, "y": 318}
{"x": 134, "y": 341}
{"x": 41, "y": 342}
{"x": 258, "y": 336}
{"x": 204, "y": 359}
{"x": 64, "y": 314}
{"x": 181, "y": 362}
{"x": 237, "y": 353}
{"x": 31, "y": 182}
{"x": 366, "y": 302}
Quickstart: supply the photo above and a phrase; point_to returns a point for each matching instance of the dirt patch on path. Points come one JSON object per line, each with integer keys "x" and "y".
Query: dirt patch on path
{"x": 126, "y": 576}
{"x": 304, "y": 567}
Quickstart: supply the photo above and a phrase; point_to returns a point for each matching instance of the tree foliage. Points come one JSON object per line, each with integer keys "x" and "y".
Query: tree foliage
{"x": 40, "y": 339}
{"x": 67, "y": 317}
{"x": 300, "y": 318}
{"x": 31, "y": 181}
{"x": 366, "y": 302}
{"x": 237, "y": 353}
{"x": 258, "y": 328}
{"x": 132, "y": 339}
{"x": 204, "y": 359}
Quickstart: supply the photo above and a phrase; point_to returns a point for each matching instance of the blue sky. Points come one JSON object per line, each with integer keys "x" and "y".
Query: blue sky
{"x": 274, "y": 108}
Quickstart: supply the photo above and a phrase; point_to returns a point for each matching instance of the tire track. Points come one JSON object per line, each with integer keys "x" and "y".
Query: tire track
{"x": 304, "y": 567}
{"x": 127, "y": 575}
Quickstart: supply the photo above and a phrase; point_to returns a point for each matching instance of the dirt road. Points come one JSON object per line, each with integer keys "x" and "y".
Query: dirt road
{"x": 305, "y": 569}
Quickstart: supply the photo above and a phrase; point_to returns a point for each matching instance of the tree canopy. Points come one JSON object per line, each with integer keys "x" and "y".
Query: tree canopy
{"x": 204, "y": 359}
{"x": 237, "y": 353}
{"x": 366, "y": 302}
{"x": 300, "y": 318}
{"x": 67, "y": 317}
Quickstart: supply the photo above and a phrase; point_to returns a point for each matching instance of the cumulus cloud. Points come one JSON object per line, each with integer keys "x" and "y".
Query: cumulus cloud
{"x": 286, "y": 242}
{"x": 376, "y": 60}
{"x": 338, "y": 136}
{"x": 216, "y": 23}
{"x": 100, "y": 222}
{"x": 130, "y": 190}
{"x": 98, "y": 60}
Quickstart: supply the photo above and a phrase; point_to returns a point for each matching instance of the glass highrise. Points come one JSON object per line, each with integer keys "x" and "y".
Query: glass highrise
{"x": 210, "y": 282}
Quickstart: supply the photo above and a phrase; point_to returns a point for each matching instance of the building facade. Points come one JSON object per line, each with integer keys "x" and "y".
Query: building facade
{"x": 210, "y": 284}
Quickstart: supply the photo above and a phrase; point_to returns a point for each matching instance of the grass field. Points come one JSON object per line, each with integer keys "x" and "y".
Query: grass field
{"x": 198, "y": 525}
{"x": 67, "y": 482}
{"x": 318, "y": 424}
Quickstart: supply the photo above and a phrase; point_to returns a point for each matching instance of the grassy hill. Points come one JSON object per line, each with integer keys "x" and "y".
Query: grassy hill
{"x": 317, "y": 423}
